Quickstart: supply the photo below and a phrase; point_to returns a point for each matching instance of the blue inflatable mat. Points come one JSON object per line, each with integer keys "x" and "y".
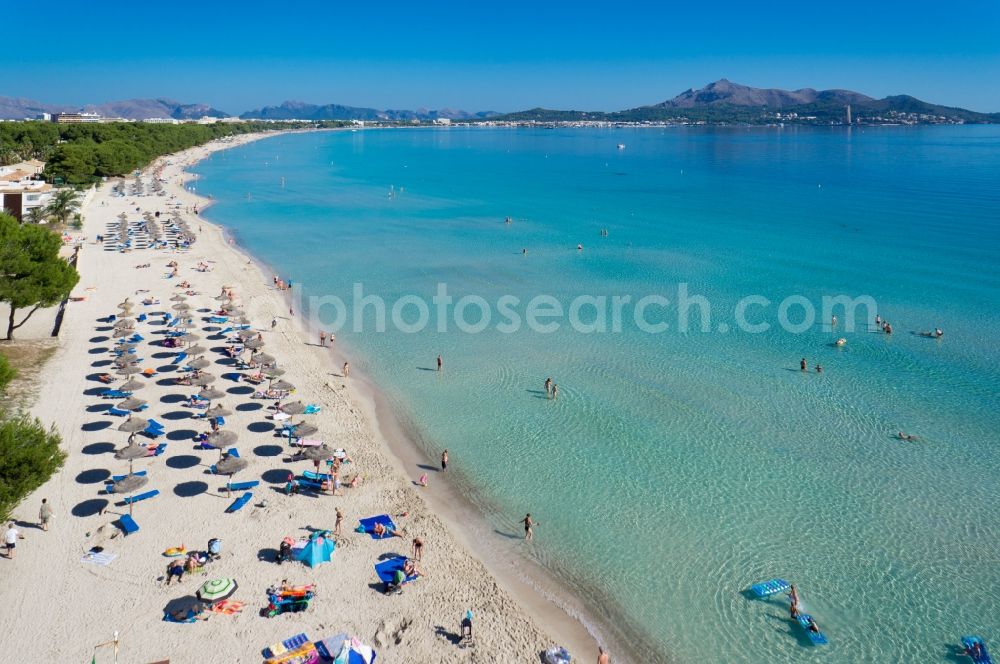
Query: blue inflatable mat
{"x": 983, "y": 657}
{"x": 369, "y": 525}
{"x": 772, "y": 587}
{"x": 240, "y": 502}
{"x": 387, "y": 569}
{"x": 818, "y": 638}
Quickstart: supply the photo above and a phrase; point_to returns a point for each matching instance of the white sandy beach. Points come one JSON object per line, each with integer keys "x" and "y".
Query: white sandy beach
{"x": 57, "y": 608}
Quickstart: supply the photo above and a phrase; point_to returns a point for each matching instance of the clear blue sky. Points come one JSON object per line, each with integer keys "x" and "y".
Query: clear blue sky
{"x": 496, "y": 56}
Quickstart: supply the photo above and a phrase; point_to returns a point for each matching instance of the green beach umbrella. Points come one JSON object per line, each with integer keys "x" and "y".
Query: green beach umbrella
{"x": 217, "y": 589}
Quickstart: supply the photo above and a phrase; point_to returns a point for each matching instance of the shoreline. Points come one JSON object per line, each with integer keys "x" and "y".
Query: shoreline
{"x": 537, "y": 590}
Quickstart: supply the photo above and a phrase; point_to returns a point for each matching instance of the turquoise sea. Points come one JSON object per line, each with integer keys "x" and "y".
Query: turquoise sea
{"x": 678, "y": 468}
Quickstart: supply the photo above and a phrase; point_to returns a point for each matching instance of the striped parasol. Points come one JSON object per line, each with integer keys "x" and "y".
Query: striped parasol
{"x": 217, "y": 589}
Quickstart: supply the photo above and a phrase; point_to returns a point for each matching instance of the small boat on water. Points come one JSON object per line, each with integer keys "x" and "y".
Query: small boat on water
{"x": 621, "y": 146}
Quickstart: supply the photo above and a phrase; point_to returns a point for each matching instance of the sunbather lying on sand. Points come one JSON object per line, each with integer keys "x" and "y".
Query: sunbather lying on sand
{"x": 381, "y": 530}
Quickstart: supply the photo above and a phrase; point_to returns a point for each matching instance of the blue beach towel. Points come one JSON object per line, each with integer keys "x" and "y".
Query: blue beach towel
{"x": 240, "y": 502}
{"x": 386, "y": 570}
{"x": 369, "y": 525}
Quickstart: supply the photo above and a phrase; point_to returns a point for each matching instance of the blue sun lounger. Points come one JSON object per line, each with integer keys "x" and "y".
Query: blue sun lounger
{"x": 118, "y": 412}
{"x": 310, "y": 484}
{"x": 217, "y": 319}
{"x": 386, "y": 570}
{"x": 127, "y": 524}
{"x": 970, "y": 642}
{"x": 772, "y": 587}
{"x": 115, "y": 394}
{"x": 369, "y": 525}
{"x": 180, "y": 357}
{"x": 240, "y": 502}
{"x": 142, "y": 496}
{"x": 154, "y": 428}
{"x": 817, "y": 638}
{"x": 243, "y": 486}
{"x": 316, "y": 477}
{"x": 118, "y": 478}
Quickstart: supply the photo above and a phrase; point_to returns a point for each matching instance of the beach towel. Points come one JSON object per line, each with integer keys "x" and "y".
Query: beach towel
{"x": 305, "y": 654}
{"x": 307, "y": 442}
{"x": 311, "y": 409}
{"x": 369, "y": 525}
{"x": 227, "y": 607}
{"x": 386, "y": 570}
{"x": 104, "y": 559}
{"x": 288, "y": 644}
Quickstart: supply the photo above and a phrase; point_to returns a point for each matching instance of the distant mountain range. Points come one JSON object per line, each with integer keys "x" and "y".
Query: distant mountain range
{"x": 297, "y": 110}
{"x": 726, "y": 102}
{"x": 721, "y": 102}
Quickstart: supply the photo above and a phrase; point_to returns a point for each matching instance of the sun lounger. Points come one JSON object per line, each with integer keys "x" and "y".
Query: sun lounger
{"x": 142, "y": 318}
{"x": 142, "y": 496}
{"x": 157, "y": 450}
{"x": 117, "y": 412}
{"x": 316, "y": 477}
{"x": 818, "y": 638}
{"x": 220, "y": 420}
{"x": 307, "y": 442}
{"x": 117, "y": 478}
{"x": 970, "y": 642}
{"x": 128, "y": 524}
{"x": 772, "y": 587}
{"x": 240, "y": 502}
{"x": 218, "y": 319}
{"x": 115, "y": 394}
{"x": 153, "y": 424}
{"x": 310, "y": 484}
{"x": 243, "y": 486}
{"x": 136, "y": 338}
{"x": 369, "y": 525}
{"x": 292, "y": 643}
{"x": 386, "y": 570}
{"x": 311, "y": 409}
{"x": 180, "y": 357}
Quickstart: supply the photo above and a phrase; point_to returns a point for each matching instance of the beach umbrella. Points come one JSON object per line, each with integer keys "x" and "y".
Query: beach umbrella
{"x": 230, "y": 465}
{"x": 254, "y": 344}
{"x": 125, "y": 361}
{"x": 124, "y": 304}
{"x": 273, "y": 372}
{"x": 197, "y": 349}
{"x": 222, "y": 437}
{"x": 303, "y": 429}
{"x": 294, "y": 408}
{"x": 181, "y": 306}
{"x": 203, "y": 379}
{"x": 132, "y": 403}
{"x": 128, "y": 370}
{"x": 218, "y": 410}
{"x": 246, "y": 334}
{"x": 282, "y": 384}
{"x": 133, "y": 424}
{"x": 209, "y": 393}
{"x": 262, "y": 358}
{"x": 126, "y": 345}
{"x": 131, "y": 385}
{"x": 178, "y": 298}
{"x": 319, "y": 453}
{"x": 221, "y": 297}
{"x": 125, "y": 322}
{"x": 217, "y": 590}
{"x": 199, "y": 363}
{"x": 242, "y": 320}
{"x": 130, "y": 453}
{"x": 188, "y": 337}
{"x": 121, "y": 332}
{"x": 129, "y": 483}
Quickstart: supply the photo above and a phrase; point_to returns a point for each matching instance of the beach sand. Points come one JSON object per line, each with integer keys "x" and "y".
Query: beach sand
{"x": 57, "y": 608}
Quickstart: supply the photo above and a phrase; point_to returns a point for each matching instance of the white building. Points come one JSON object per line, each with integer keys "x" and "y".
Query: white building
{"x": 20, "y": 191}
{"x": 161, "y": 121}
{"x": 442, "y": 121}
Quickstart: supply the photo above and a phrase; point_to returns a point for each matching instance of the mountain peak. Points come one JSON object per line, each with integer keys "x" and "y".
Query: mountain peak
{"x": 726, "y": 93}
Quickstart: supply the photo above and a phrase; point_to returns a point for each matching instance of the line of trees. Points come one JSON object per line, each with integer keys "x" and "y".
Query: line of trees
{"x": 81, "y": 154}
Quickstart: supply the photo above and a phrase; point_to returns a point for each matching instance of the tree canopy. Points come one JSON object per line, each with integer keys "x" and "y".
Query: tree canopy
{"x": 32, "y": 274}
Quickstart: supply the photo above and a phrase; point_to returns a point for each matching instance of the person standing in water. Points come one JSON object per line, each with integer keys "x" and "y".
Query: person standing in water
{"x": 529, "y": 525}
{"x": 322, "y": 338}
{"x": 347, "y": 369}
{"x": 602, "y": 657}
{"x": 444, "y": 460}
{"x": 803, "y": 365}
{"x": 555, "y": 391}
{"x": 440, "y": 363}
{"x": 548, "y": 388}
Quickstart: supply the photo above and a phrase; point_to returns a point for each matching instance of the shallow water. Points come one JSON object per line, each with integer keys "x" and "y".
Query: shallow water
{"x": 676, "y": 469}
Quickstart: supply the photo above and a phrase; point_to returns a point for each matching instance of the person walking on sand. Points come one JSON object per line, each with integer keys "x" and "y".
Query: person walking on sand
{"x": 440, "y": 363}
{"x": 548, "y": 388}
{"x": 333, "y": 340}
{"x": 338, "y": 522}
{"x": 10, "y": 537}
{"x": 602, "y": 657}
{"x": 418, "y": 548}
{"x": 347, "y": 369}
{"x": 322, "y": 339}
{"x": 274, "y": 322}
{"x": 529, "y": 524}
{"x": 444, "y": 460}
{"x": 467, "y": 625}
{"x": 44, "y": 514}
